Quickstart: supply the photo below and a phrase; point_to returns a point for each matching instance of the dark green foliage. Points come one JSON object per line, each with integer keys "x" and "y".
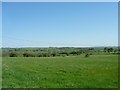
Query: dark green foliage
{"x": 53, "y": 54}
{"x": 61, "y": 51}
{"x": 13, "y": 54}
{"x": 105, "y": 49}
{"x": 45, "y": 55}
{"x": 28, "y": 55}
{"x": 87, "y": 55}
{"x": 65, "y": 53}
{"x": 109, "y": 49}
{"x": 76, "y": 52}
{"x": 40, "y": 55}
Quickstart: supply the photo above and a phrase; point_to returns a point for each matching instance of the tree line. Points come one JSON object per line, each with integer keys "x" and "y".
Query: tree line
{"x": 52, "y": 52}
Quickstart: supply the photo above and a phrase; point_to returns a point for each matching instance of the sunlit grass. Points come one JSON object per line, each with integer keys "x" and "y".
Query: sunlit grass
{"x": 96, "y": 71}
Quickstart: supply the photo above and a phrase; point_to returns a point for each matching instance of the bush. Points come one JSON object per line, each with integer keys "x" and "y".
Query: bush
{"x": 87, "y": 55}
{"x": 40, "y": 55}
{"x": 13, "y": 54}
{"x": 53, "y": 54}
{"x": 28, "y": 55}
{"x": 44, "y": 55}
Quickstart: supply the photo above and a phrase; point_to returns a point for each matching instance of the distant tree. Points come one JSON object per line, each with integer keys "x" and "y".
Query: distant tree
{"x": 105, "y": 49}
{"x": 28, "y": 55}
{"x": 87, "y": 52}
{"x": 118, "y": 50}
{"x": 91, "y": 48}
{"x": 115, "y": 51}
{"x": 53, "y": 54}
{"x": 74, "y": 53}
{"x": 37, "y": 50}
{"x": 40, "y": 55}
{"x": 67, "y": 54}
{"x": 46, "y": 55}
{"x": 12, "y": 54}
{"x": 87, "y": 55}
{"x": 79, "y": 52}
{"x": 110, "y": 50}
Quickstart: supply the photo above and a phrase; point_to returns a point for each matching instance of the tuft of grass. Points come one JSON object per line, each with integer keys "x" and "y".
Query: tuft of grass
{"x": 97, "y": 71}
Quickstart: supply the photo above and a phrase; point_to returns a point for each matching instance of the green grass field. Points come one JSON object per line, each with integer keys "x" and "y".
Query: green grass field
{"x": 96, "y": 71}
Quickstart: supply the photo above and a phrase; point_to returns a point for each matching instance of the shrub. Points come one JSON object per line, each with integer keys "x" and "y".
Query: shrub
{"x": 87, "y": 55}
{"x": 53, "y": 54}
{"x": 40, "y": 55}
{"x": 28, "y": 55}
{"x": 44, "y": 54}
{"x": 13, "y": 54}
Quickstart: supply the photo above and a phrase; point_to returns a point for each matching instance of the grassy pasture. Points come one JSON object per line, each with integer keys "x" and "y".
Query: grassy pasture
{"x": 96, "y": 71}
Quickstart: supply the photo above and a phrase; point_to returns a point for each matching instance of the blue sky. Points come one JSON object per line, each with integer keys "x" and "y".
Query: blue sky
{"x": 60, "y": 24}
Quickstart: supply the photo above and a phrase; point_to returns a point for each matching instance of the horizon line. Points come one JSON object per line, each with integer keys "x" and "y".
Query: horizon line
{"x": 61, "y": 46}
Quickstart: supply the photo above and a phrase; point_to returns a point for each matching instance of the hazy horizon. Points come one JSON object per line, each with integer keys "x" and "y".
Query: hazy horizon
{"x": 63, "y": 47}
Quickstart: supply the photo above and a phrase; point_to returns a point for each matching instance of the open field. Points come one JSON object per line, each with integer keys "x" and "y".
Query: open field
{"x": 96, "y": 71}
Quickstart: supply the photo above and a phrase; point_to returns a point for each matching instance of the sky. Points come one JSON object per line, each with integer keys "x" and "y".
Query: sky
{"x": 70, "y": 24}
